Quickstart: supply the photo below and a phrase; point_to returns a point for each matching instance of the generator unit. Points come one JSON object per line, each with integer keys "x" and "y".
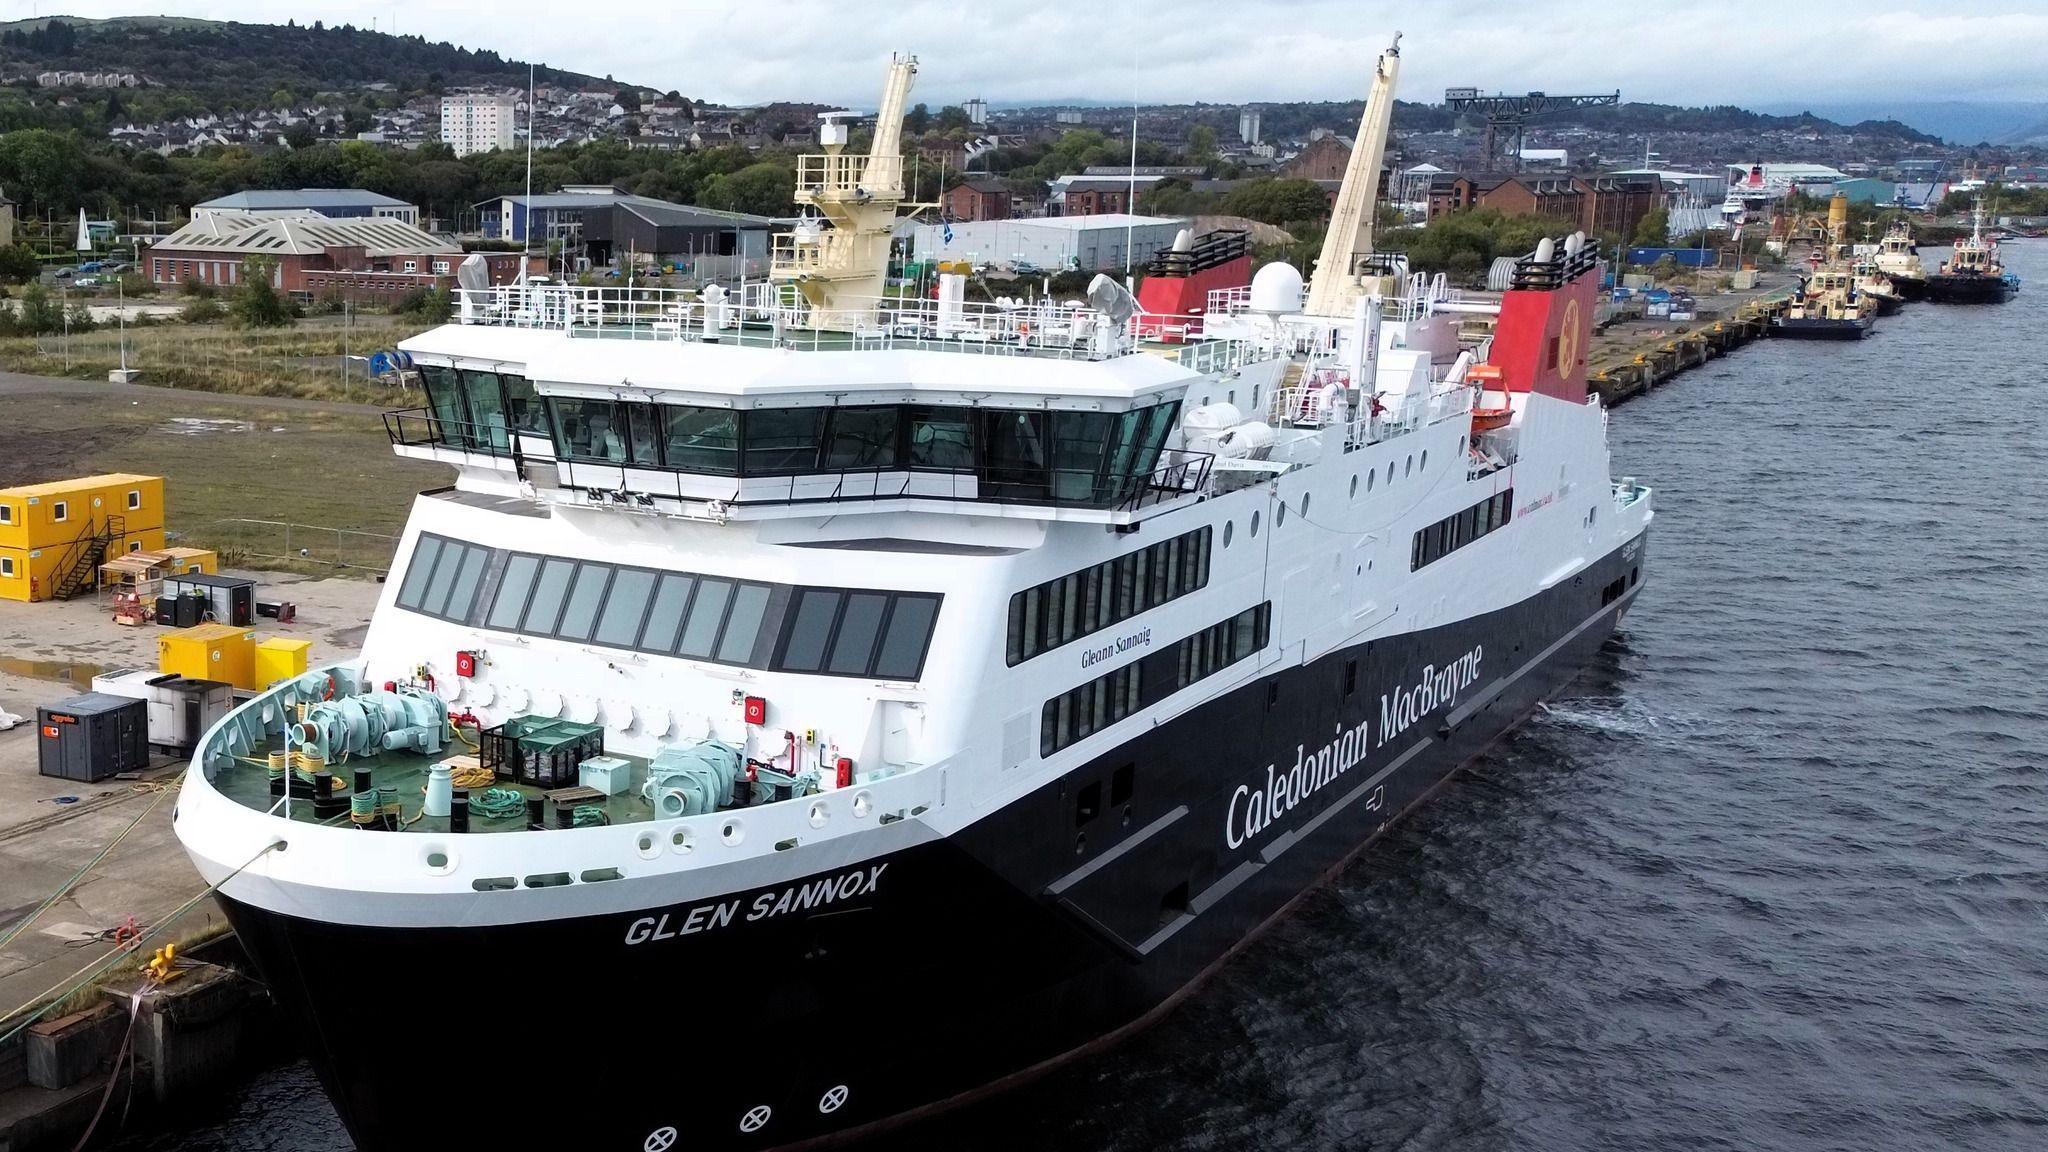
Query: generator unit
{"x": 180, "y": 709}
{"x": 92, "y": 737}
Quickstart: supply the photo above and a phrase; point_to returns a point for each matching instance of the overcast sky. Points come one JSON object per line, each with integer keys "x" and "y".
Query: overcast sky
{"x": 747, "y": 51}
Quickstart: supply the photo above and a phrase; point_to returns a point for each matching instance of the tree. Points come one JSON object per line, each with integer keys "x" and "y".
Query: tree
{"x": 18, "y": 263}
{"x": 257, "y": 303}
{"x": 44, "y": 166}
{"x": 1277, "y": 201}
{"x": 765, "y": 189}
{"x": 1201, "y": 144}
{"x": 917, "y": 120}
{"x": 1653, "y": 230}
{"x": 628, "y": 98}
{"x": 953, "y": 117}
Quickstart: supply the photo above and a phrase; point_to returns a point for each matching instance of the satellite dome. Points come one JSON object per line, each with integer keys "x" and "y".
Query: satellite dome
{"x": 1276, "y": 289}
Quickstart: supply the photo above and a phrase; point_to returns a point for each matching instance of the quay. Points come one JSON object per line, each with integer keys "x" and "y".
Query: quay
{"x": 1630, "y": 357}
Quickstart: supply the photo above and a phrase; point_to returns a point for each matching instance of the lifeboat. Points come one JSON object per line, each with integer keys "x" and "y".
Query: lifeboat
{"x": 1485, "y": 378}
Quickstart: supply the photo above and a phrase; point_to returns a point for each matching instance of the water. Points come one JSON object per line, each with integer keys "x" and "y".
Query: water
{"x": 1772, "y": 875}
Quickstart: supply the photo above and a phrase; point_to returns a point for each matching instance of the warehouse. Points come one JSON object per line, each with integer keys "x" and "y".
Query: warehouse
{"x": 1054, "y": 243}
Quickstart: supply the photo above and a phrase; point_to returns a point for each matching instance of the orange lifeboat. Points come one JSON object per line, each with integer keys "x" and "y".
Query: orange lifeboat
{"x": 1485, "y": 378}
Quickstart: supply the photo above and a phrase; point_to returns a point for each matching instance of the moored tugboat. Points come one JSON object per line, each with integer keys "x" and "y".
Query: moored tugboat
{"x": 1973, "y": 274}
{"x": 1827, "y": 307}
{"x": 1899, "y": 259}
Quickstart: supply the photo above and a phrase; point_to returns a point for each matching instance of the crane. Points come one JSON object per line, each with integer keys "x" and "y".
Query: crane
{"x": 1347, "y": 257}
{"x": 1506, "y": 116}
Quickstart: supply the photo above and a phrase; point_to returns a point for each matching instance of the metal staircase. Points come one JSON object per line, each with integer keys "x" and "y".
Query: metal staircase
{"x": 79, "y": 569}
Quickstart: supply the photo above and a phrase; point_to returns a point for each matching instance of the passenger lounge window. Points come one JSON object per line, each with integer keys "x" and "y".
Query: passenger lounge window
{"x": 859, "y": 633}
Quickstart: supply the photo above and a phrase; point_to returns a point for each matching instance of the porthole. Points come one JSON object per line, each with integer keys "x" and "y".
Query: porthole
{"x": 646, "y": 845}
{"x": 1280, "y": 515}
{"x": 439, "y": 861}
{"x": 819, "y": 814}
{"x": 682, "y": 841}
{"x": 863, "y": 804}
{"x": 1354, "y": 487}
{"x": 1461, "y": 445}
{"x": 1304, "y": 504}
{"x": 1369, "y": 478}
{"x": 732, "y": 832}
{"x": 1228, "y": 526}
{"x": 1408, "y": 469}
{"x": 1255, "y": 525}
{"x": 1425, "y": 459}
{"x": 1390, "y": 471}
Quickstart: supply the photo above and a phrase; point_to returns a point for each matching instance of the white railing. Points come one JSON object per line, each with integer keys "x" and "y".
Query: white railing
{"x": 1322, "y": 398}
{"x": 847, "y": 175}
{"x": 774, "y": 315}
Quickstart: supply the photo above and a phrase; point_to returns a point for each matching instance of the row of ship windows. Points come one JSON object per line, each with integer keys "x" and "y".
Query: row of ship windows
{"x": 1453, "y": 532}
{"x": 1082, "y": 711}
{"x": 832, "y": 631}
{"x": 1059, "y": 612}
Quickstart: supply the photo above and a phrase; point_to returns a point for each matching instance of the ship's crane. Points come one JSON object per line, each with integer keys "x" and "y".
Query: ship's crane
{"x": 1347, "y": 262}
{"x": 1506, "y": 117}
{"x": 840, "y": 259}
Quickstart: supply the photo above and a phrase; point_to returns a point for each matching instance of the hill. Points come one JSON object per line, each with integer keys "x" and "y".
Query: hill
{"x": 229, "y": 66}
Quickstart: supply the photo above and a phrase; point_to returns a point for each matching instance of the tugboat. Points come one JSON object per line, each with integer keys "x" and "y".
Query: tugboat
{"x": 1973, "y": 274}
{"x": 1827, "y": 306}
{"x": 1881, "y": 290}
{"x": 1899, "y": 259}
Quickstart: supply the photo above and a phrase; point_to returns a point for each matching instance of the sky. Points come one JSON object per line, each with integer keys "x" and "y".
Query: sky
{"x": 1227, "y": 51}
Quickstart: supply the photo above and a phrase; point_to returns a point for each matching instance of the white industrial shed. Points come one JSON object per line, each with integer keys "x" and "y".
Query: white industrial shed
{"x": 1054, "y": 243}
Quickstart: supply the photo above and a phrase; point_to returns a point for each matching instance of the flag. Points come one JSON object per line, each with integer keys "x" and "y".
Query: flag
{"x": 946, "y": 236}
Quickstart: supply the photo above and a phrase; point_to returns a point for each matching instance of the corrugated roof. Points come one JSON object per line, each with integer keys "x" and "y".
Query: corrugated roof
{"x": 82, "y": 483}
{"x": 302, "y": 234}
{"x": 287, "y": 199}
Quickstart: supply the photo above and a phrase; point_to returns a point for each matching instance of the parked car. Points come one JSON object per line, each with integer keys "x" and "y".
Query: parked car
{"x": 1026, "y": 268}
{"x": 88, "y": 282}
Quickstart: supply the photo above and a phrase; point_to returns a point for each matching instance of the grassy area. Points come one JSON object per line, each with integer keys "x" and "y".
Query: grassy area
{"x": 300, "y": 361}
{"x": 330, "y": 471}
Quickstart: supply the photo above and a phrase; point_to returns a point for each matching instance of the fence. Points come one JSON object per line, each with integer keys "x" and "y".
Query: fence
{"x": 241, "y": 539}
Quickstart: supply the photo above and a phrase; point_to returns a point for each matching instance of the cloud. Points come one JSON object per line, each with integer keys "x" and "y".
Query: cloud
{"x": 1230, "y": 51}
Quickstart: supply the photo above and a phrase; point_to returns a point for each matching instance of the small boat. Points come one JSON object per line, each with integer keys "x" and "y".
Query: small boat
{"x": 1973, "y": 274}
{"x": 1827, "y": 306}
{"x": 1899, "y": 259}
{"x": 1878, "y": 288}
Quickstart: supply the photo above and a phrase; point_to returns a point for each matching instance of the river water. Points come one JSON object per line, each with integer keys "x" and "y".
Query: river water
{"x": 1772, "y": 875}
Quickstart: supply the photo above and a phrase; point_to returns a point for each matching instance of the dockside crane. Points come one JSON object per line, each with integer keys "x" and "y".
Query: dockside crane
{"x": 1506, "y": 117}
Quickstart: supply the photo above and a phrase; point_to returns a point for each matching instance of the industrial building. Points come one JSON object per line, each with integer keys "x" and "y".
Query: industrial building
{"x": 366, "y": 258}
{"x": 54, "y": 536}
{"x": 333, "y": 203}
{"x": 603, "y": 224}
{"x": 478, "y": 122}
{"x": 1612, "y": 204}
{"x": 978, "y": 198}
{"x": 1054, "y": 243}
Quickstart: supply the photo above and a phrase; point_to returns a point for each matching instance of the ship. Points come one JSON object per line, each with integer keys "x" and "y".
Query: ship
{"x": 1826, "y": 306}
{"x": 1973, "y": 273}
{"x": 1899, "y": 259}
{"x": 780, "y": 731}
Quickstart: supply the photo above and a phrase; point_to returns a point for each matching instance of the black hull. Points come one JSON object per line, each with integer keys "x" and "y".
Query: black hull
{"x": 1969, "y": 290}
{"x": 1821, "y": 329}
{"x": 1887, "y": 305}
{"x": 1910, "y": 288}
{"x": 1032, "y": 933}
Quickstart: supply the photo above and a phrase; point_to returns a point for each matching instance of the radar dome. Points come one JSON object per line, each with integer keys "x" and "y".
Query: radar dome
{"x": 1276, "y": 289}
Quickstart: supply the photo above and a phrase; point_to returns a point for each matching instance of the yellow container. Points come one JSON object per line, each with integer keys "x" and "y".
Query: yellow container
{"x": 280, "y": 658}
{"x": 191, "y": 562}
{"x": 220, "y": 652}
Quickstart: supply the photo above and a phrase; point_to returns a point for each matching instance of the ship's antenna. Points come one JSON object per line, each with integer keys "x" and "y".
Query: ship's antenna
{"x": 1131, "y": 193}
{"x": 526, "y": 250}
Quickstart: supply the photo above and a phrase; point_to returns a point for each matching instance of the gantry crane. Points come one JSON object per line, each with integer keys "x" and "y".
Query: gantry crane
{"x": 1506, "y": 117}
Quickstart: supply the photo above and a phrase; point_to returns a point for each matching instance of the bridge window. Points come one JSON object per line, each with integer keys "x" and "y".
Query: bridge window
{"x": 783, "y": 441}
{"x": 859, "y": 633}
{"x": 443, "y": 577}
{"x": 702, "y": 440}
{"x": 861, "y": 438}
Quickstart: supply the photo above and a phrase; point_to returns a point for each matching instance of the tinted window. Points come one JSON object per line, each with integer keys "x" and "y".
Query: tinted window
{"x": 707, "y": 612}
{"x": 579, "y": 615}
{"x": 909, "y": 633}
{"x": 941, "y": 438}
{"x": 781, "y": 441}
{"x": 853, "y": 646}
{"x": 619, "y": 626}
{"x": 804, "y": 650}
{"x": 861, "y": 438}
{"x": 510, "y": 601}
{"x": 548, "y": 592}
{"x": 702, "y": 440}
{"x": 416, "y": 574}
{"x": 666, "y": 617}
{"x": 743, "y": 624}
{"x": 588, "y": 430}
{"x": 463, "y": 594}
{"x": 444, "y": 579}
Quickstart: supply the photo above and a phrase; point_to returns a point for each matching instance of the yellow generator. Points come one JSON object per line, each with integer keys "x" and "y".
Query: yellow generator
{"x": 280, "y": 658}
{"x": 220, "y": 652}
{"x": 53, "y": 537}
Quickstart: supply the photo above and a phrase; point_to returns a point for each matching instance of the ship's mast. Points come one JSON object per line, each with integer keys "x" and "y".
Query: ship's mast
{"x": 1338, "y": 279}
{"x": 839, "y": 263}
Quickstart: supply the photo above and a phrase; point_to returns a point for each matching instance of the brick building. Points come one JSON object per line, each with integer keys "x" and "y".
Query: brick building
{"x": 978, "y": 198}
{"x": 367, "y": 258}
{"x": 1612, "y": 204}
{"x": 1324, "y": 158}
{"x": 1085, "y": 197}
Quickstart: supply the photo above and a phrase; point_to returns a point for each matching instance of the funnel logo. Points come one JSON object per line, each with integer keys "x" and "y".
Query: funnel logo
{"x": 1568, "y": 339}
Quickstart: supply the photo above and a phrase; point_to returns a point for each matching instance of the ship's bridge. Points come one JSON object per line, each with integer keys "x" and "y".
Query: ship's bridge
{"x": 637, "y": 406}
